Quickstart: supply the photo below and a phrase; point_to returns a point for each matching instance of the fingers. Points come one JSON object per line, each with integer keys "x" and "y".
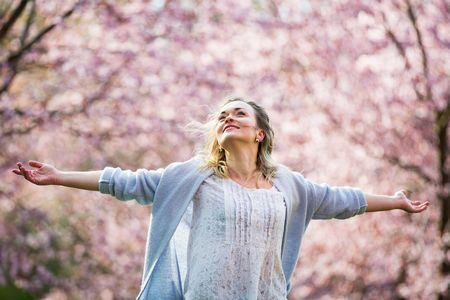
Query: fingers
{"x": 421, "y": 207}
{"x": 418, "y": 203}
{"x": 16, "y": 171}
{"x": 22, "y": 170}
{"x": 20, "y": 166}
{"x": 27, "y": 174}
{"x": 34, "y": 163}
{"x": 413, "y": 206}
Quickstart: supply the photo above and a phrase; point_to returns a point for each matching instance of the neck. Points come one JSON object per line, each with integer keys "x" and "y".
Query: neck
{"x": 242, "y": 163}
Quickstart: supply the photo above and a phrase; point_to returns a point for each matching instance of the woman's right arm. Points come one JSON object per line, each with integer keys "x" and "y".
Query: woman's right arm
{"x": 46, "y": 174}
{"x": 123, "y": 185}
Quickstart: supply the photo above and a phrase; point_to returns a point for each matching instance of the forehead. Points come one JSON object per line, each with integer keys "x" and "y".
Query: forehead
{"x": 234, "y": 105}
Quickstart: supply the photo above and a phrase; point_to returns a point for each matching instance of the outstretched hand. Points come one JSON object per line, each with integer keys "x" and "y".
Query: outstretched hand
{"x": 411, "y": 206}
{"x": 44, "y": 175}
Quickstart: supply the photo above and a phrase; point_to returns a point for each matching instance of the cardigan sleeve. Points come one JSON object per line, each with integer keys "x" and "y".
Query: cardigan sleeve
{"x": 339, "y": 202}
{"x": 128, "y": 185}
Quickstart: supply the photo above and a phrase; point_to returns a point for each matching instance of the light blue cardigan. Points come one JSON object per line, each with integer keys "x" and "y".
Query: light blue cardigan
{"x": 170, "y": 191}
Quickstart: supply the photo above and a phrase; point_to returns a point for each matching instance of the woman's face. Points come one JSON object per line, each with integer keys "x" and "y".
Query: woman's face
{"x": 237, "y": 124}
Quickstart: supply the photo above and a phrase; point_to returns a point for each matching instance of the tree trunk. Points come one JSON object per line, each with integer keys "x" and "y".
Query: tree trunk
{"x": 441, "y": 123}
{"x": 445, "y": 235}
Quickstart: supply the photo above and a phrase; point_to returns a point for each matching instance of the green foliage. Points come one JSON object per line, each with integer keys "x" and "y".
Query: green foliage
{"x": 13, "y": 292}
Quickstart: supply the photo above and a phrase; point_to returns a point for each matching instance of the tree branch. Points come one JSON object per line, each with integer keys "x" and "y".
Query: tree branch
{"x": 30, "y": 19}
{"x": 413, "y": 18}
{"x": 4, "y": 8}
{"x": 398, "y": 45}
{"x": 13, "y": 18}
{"x": 40, "y": 119}
{"x": 402, "y": 53}
{"x": 443, "y": 116}
{"x": 41, "y": 34}
{"x": 389, "y": 157}
{"x": 11, "y": 61}
{"x": 11, "y": 73}
{"x": 409, "y": 167}
{"x": 441, "y": 126}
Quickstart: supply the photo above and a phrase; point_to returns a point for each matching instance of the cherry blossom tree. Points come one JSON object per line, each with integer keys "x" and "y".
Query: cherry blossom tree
{"x": 357, "y": 92}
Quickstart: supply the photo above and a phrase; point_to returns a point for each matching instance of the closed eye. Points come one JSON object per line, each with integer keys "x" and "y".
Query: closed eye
{"x": 239, "y": 113}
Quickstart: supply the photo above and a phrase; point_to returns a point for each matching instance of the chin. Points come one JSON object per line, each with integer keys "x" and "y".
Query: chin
{"x": 230, "y": 139}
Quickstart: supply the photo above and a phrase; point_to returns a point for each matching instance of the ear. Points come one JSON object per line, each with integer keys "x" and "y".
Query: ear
{"x": 260, "y": 135}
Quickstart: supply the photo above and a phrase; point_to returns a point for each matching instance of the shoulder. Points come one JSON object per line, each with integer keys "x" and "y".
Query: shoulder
{"x": 188, "y": 167}
{"x": 191, "y": 163}
{"x": 290, "y": 180}
{"x": 285, "y": 173}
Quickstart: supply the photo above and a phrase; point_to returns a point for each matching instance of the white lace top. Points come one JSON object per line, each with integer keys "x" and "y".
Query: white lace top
{"x": 234, "y": 249}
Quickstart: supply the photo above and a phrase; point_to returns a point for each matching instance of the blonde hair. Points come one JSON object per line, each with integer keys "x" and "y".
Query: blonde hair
{"x": 212, "y": 155}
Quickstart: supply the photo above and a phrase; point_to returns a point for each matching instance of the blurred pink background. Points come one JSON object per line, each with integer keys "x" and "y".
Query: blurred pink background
{"x": 358, "y": 94}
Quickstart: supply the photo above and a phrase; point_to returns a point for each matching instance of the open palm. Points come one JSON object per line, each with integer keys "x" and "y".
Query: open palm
{"x": 45, "y": 174}
{"x": 411, "y": 206}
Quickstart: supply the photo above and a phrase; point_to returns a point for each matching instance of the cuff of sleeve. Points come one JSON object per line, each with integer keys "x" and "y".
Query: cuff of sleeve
{"x": 105, "y": 186}
{"x": 361, "y": 201}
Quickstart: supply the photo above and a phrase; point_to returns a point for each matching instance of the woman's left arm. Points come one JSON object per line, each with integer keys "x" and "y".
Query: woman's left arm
{"x": 400, "y": 200}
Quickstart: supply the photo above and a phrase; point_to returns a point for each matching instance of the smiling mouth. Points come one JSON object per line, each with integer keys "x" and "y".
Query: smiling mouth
{"x": 230, "y": 127}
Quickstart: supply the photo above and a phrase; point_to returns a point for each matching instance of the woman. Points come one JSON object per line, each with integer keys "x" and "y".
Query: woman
{"x": 228, "y": 223}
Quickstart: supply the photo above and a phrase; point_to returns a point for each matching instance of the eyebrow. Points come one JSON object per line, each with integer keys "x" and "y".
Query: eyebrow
{"x": 237, "y": 108}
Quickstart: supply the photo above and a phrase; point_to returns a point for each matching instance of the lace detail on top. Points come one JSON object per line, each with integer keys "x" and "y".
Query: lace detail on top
{"x": 234, "y": 248}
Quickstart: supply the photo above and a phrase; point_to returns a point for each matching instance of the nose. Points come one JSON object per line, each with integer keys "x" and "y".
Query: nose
{"x": 229, "y": 117}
